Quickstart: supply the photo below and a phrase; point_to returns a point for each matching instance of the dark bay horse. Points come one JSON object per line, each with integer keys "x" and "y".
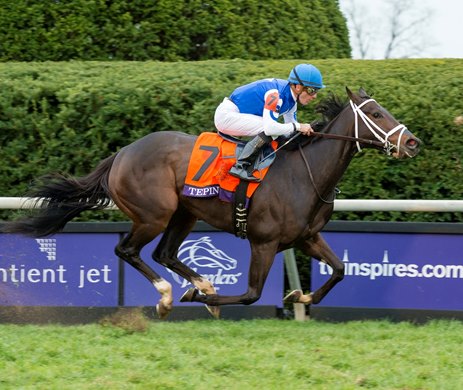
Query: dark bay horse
{"x": 289, "y": 209}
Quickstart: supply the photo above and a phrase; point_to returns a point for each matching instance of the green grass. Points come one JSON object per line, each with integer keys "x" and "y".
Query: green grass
{"x": 257, "y": 354}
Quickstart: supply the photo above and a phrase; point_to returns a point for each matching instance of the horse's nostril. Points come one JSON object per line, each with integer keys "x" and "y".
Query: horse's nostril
{"x": 412, "y": 143}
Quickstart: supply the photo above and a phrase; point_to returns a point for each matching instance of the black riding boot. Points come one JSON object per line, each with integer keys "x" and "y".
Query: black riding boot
{"x": 250, "y": 151}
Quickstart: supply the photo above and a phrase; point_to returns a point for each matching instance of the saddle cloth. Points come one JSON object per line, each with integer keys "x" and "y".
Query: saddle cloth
{"x": 211, "y": 159}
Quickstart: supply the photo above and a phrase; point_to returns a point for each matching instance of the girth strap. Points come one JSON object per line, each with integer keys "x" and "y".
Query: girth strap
{"x": 240, "y": 212}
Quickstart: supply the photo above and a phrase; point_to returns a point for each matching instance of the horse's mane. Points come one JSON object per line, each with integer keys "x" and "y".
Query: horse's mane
{"x": 329, "y": 109}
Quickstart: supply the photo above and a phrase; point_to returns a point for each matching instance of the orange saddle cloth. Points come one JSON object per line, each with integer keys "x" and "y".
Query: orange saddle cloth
{"x": 207, "y": 175}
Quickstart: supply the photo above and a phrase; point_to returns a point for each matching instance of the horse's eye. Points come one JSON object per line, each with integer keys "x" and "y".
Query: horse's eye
{"x": 377, "y": 115}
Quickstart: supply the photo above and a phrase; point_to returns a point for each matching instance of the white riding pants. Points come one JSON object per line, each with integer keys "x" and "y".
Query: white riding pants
{"x": 229, "y": 120}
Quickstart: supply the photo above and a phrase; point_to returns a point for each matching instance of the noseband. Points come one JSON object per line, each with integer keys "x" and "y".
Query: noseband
{"x": 379, "y": 133}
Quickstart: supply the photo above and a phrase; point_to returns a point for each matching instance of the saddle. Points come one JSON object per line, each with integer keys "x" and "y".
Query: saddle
{"x": 212, "y": 157}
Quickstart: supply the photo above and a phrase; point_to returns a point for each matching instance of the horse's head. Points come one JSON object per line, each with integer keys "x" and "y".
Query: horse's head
{"x": 374, "y": 122}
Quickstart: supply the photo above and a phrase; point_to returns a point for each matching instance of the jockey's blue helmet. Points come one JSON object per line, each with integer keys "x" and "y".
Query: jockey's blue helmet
{"x": 306, "y": 75}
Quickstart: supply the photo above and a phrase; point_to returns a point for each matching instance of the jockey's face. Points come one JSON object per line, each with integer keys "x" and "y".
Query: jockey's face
{"x": 305, "y": 94}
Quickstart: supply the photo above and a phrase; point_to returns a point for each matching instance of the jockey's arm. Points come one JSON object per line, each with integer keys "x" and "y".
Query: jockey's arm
{"x": 271, "y": 114}
{"x": 290, "y": 117}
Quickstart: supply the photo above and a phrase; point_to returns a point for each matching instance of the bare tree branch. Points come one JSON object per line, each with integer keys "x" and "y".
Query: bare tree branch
{"x": 402, "y": 31}
{"x": 362, "y": 37}
{"x": 402, "y": 27}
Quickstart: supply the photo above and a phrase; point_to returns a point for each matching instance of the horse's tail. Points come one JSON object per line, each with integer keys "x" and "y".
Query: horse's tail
{"x": 62, "y": 198}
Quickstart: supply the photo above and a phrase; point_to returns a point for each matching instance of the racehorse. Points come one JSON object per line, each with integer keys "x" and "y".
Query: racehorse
{"x": 289, "y": 209}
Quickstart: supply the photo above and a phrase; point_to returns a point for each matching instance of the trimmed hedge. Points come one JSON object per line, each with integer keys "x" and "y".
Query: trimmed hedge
{"x": 68, "y": 116}
{"x": 171, "y": 30}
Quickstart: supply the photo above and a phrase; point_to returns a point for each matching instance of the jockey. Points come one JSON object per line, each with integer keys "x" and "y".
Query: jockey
{"x": 253, "y": 110}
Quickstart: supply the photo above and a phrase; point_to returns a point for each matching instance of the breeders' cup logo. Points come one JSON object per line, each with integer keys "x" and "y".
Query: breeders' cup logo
{"x": 210, "y": 262}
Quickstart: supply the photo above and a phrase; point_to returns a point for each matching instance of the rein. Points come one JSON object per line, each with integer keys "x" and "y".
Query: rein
{"x": 347, "y": 138}
{"x": 307, "y": 165}
{"x": 330, "y": 136}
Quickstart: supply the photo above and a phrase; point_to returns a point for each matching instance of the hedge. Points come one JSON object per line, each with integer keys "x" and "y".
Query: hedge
{"x": 67, "y": 116}
{"x": 170, "y": 30}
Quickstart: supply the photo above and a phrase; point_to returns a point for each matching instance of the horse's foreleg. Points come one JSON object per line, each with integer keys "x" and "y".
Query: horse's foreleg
{"x": 318, "y": 248}
{"x": 180, "y": 225}
{"x": 129, "y": 249}
{"x": 262, "y": 256}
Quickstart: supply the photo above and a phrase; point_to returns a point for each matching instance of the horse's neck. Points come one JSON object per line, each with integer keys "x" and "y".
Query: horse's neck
{"x": 330, "y": 158}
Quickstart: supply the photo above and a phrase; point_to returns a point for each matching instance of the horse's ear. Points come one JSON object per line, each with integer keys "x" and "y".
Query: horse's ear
{"x": 352, "y": 96}
{"x": 363, "y": 93}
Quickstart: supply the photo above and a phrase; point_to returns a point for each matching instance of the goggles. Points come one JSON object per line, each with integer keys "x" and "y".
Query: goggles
{"x": 310, "y": 90}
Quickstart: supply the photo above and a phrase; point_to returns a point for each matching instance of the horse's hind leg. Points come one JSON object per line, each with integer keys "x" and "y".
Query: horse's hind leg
{"x": 180, "y": 225}
{"x": 129, "y": 249}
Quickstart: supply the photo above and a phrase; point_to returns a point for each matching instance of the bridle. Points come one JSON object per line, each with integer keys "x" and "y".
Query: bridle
{"x": 382, "y": 142}
{"x": 381, "y": 135}
{"x": 377, "y": 131}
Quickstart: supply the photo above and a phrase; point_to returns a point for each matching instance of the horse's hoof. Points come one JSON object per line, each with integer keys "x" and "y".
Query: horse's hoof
{"x": 293, "y": 297}
{"x": 162, "y": 310}
{"x": 214, "y": 310}
{"x": 307, "y": 299}
{"x": 188, "y": 295}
